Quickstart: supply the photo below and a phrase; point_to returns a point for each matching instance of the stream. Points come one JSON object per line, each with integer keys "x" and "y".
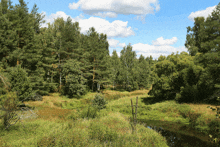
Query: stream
{"x": 178, "y": 135}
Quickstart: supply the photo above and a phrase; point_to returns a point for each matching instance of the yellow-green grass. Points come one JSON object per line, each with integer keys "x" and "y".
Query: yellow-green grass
{"x": 110, "y": 130}
{"x": 166, "y": 111}
{"x": 55, "y": 125}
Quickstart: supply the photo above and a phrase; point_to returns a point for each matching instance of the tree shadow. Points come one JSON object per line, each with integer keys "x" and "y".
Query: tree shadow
{"x": 151, "y": 100}
{"x": 118, "y": 89}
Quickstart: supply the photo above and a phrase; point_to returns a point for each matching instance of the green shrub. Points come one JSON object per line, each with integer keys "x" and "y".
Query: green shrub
{"x": 191, "y": 115}
{"x": 187, "y": 94}
{"x": 214, "y": 129}
{"x": 99, "y": 102}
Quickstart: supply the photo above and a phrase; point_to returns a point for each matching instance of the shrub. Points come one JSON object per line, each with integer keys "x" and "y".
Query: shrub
{"x": 99, "y": 102}
{"x": 191, "y": 115}
{"x": 214, "y": 129}
{"x": 9, "y": 102}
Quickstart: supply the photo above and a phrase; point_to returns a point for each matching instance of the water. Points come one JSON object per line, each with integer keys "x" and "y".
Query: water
{"x": 180, "y": 136}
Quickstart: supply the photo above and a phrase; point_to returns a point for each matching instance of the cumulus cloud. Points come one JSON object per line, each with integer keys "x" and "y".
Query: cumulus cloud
{"x": 106, "y": 14}
{"x": 137, "y": 7}
{"x": 156, "y": 50}
{"x": 50, "y": 19}
{"x": 115, "y": 43}
{"x": 116, "y": 28}
{"x": 201, "y": 13}
{"x": 161, "y": 41}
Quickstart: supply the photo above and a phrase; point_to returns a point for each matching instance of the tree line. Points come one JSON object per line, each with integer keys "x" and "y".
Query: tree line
{"x": 192, "y": 77}
{"x": 61, "y": 59}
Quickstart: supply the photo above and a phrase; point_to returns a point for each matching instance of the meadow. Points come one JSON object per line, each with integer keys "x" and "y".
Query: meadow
{"x": 73, "y": 122}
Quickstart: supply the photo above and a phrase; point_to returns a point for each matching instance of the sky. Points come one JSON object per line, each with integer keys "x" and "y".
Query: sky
{"x": 152, "y": 27}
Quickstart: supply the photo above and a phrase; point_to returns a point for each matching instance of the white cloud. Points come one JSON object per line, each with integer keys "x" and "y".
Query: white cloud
{"x": 119, "y": 54}
{"x": 50, "y": 19}
{"x": 201, "y": 13}
{"x": 136, "y": 7}
{"x": 161, "y": 41}
{"x": 106, "y": 14}
{"x": 156, "y": 50}
{"x": 116, "y": 28}
{"x": 115, "y": 43}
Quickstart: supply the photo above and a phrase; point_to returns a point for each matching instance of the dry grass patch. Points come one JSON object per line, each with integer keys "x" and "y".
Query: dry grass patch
{"x": 53, "y": 114}
{"x": 202, "y": 108}
{"x": 47, "y": 100}
{"x": 139, "y": 92}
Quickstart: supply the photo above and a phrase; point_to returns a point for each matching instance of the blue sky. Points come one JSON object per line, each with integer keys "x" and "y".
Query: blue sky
{"x": 153, "y": 27}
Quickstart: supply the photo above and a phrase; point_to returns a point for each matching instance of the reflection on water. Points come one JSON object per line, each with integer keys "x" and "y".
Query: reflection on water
{"x": 180, "y": 140}
{"x": 177, "y": 139}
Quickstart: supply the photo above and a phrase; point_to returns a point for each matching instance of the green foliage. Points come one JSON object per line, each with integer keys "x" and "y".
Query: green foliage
{"x": 128, "y": 66}
{"x": 74, "y": 81}
{"x": 143, "y": 73}
{"x": 214, "y": 131}
{"x": 191, "y": 115}
{"x": 187, "y": 94}
{"x": 9, "y": 102}
{"x": 99, "y": 102}
{"x": 20, "y": 82}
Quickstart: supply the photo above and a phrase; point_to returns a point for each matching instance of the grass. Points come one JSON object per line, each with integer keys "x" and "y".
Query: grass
{"x": 60, "y": 123}
{"x": 66, "y": 122}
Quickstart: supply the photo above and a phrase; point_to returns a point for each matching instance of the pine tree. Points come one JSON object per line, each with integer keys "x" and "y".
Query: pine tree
{"x": 143, "y": 73}
{"x": 20, "y": 82}
{"x": 115, "y": 67}
{"x": 74, "y": 81}
{"x": 128, "y": 62}
{"x": 8, "y": 41}
{"x": 98, "y": 50}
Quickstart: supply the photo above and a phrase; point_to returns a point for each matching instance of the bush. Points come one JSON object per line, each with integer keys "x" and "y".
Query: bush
{"x": 9, "y": 102}
{"x": 187, "y": 94}
{"x": 191, "y": 115}
{"x": 99, "y": 102}
{"x": 214, "y": 129}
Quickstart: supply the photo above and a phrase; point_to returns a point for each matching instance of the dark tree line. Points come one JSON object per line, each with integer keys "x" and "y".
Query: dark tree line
{"x": 61, "y": 59}
{"x": 192, "y": 77}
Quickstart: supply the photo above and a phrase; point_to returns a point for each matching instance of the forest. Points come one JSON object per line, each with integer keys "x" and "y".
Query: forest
{"x": 60, "y": 59}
